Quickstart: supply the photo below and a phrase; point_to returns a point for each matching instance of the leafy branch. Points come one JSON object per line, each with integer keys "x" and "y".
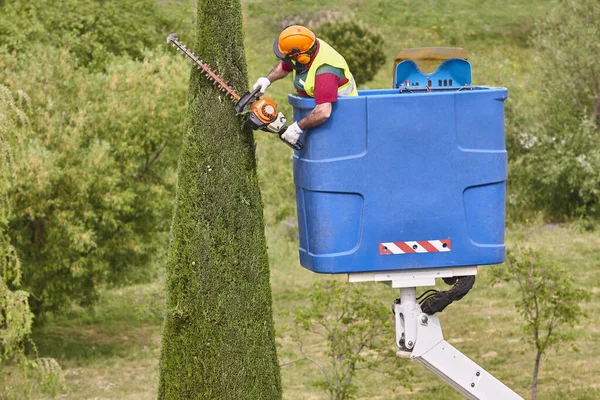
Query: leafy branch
{"x": 358, "y": 332}
{"x": 548, "y": 301}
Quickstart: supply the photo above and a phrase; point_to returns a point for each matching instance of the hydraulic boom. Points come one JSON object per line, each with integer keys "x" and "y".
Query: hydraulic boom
{"x": 419, "y": 336}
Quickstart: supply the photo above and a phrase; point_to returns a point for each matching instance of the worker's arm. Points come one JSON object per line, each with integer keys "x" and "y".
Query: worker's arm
{"x": 316, "y": 117}
{"x": 327, "y": 81}
{"x": 276, "y": 74}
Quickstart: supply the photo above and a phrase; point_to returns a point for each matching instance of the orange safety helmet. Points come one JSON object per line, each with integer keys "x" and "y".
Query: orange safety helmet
{"x": 295, "y": 42}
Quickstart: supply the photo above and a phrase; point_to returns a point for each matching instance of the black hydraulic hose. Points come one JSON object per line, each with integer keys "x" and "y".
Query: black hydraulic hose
{"x": 440, "y": 300}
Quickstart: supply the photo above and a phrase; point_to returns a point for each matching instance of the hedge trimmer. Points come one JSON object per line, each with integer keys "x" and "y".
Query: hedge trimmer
{"x": 262, "y": 113}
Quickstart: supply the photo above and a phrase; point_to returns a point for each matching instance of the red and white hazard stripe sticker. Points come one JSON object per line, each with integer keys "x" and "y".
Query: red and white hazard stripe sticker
{"x": 422, "y": 246}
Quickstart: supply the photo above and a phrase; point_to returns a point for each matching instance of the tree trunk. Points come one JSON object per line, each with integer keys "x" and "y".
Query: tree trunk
{"x": 597, "y": 111}
{"x": 218, "y": 338}
{"x": 536, "y": 370}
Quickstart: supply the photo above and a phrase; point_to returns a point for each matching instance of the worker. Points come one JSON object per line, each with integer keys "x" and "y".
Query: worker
{"x": 318, "y": 71}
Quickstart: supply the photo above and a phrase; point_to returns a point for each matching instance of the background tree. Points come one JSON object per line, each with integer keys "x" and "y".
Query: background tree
{"x": 358, "y": 331}
{"x": 558, "y": 170}
{"x": 92, "y": 200}
{"x": 548, "y": 301}
{"x": 361, "y": 46}
{"x": 18, "y": 373}
{"x": 15, "y": 315}
{"x": 218, "y": 338}
{"x": 94, "y": 31}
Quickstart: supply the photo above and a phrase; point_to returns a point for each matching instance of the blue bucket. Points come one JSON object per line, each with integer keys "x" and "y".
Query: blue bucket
{"x": 403, "y": 179}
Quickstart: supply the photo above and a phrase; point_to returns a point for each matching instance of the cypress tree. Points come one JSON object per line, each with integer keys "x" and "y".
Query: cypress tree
{"x": 218, "y": 338}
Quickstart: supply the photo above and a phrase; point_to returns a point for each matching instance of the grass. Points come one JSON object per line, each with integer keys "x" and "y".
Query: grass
{"x": 111, "y": 351}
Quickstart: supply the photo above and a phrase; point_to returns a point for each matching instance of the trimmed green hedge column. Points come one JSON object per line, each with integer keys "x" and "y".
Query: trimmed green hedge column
{"x": 218, "y": 338}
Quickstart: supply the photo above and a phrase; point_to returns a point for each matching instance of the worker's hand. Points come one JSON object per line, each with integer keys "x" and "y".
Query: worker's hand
{"x": 292, "y": 133}
{"x": 263, "y": 82}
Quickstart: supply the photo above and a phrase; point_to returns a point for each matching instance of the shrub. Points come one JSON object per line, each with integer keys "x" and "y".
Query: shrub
{"x": 558, "y": 170}
{"x": 358, "y": 332}
{"x": 92, "y": 201}
{"x": 546, "y": 299}
{"x": 361, "y": 46}
{"x": 18, "y": 375}
{"x": 15, "y": 316}
{"x": 93, "y": 30}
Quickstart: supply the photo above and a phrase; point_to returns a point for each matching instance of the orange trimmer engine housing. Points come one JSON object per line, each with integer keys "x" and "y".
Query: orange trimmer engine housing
{"x": 263, "y": 112}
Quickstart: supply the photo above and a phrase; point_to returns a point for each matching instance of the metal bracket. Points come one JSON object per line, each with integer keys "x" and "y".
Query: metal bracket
{"x": 406, "y": 311}
{"x": 412, "y": 278}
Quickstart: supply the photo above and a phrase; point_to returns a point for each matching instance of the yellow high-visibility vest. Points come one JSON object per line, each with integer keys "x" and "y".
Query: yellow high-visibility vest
{"x": 327, "y": 55}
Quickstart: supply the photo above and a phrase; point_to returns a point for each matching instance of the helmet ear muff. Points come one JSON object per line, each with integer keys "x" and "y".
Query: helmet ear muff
{"x": 299, "y": 57}
{"x": 303, "y": 58}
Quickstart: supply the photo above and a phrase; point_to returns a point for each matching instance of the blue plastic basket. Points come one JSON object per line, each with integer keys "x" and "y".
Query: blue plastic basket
{"x": 398, "y": 180}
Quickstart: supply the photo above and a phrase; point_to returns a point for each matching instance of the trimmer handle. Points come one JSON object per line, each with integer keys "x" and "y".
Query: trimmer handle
{"x": 247, "y": 99}
{"x": 296, "y": 146}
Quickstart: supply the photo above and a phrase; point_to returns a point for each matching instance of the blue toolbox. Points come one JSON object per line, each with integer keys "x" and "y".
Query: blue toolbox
{"x": 406, "y": 178}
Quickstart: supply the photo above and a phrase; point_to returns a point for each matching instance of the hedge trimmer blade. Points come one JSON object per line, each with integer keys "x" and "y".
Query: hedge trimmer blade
{"x": 205, "y": 68}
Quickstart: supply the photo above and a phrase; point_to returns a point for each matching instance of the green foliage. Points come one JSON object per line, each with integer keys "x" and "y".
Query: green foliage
{"x": 559, "y": 175}
{"x": 14, "y": 126}
{"x": 15, "y": 322}
{"x": 151, "y": 304}
{"x": 93, "y": 30}
{"x": 218, "y": 339}
{"x": 558, "y": 169}
{"x": 17, "y": 374}
{"x": 568, "y": 40}
{"x": 358, "y": 332}
{"x": 92, "y": 197}
{"x": 28, "y": 380}
{"x": 92, "y": 193}
{"x": 361, "y": 46}
{"x": 547, "y": 300}
{"x": 50, "y": 376}
{"x": 15, "y": 316}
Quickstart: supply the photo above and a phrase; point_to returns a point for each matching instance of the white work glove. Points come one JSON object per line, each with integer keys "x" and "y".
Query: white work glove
{"x": 292, "y": 133}
{"x": 263, "y": 82}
